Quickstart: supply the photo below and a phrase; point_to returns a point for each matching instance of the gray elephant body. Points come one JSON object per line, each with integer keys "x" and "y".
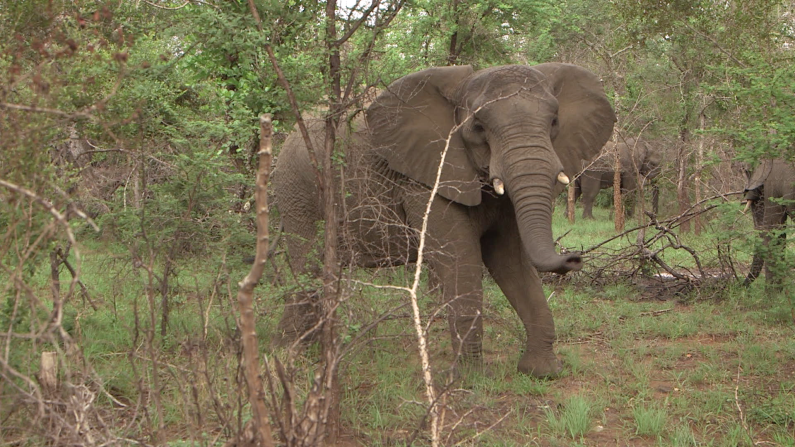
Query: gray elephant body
{"x": 639, "y": 163}
{"x": 770, "y": 183}
{"x": 518, "y": 124}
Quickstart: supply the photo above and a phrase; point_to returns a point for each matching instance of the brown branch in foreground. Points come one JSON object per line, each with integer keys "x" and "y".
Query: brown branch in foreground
{"x": 256, "y": 394}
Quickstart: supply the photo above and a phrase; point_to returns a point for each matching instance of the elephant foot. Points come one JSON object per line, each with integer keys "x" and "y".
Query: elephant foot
{"x": 298, "y": 324}
{"x": 286, "y": 338}
{"x": 541, "y": 366}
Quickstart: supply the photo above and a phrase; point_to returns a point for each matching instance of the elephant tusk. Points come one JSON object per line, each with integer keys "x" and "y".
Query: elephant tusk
{"x": 499, "y": 186}
{"x": 747, "y": 206}
{"x": 563, "y": 178}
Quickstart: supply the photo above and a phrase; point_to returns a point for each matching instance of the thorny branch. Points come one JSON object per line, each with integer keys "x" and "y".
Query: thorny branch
{"x": 664, "y": 238}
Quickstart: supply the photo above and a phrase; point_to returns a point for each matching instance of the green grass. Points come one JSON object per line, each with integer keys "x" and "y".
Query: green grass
{"x": 573, "y": 419}
{"x": 649, "y": 420}
{"x": 664, "y": 372}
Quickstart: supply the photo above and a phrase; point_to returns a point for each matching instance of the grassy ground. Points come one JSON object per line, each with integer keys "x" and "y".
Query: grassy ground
{"x": 700, "y": 369}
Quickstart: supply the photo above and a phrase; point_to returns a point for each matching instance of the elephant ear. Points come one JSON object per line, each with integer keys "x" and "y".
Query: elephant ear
{"x": 585, "y": 117}
{"x": 409, "y": 124}
{"x": 759, "y": 175}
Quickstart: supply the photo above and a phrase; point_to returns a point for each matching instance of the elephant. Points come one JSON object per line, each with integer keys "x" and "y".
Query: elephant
{"x": 639, "y": 161}
{"x": 512, "y": 134}
{"x": 770, "y": 183}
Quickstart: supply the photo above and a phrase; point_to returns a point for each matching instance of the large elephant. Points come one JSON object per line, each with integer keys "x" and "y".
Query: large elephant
{"x": 770, "y": 193}
{"x": 515, "y": 133}
{"x": 639, "y": 162}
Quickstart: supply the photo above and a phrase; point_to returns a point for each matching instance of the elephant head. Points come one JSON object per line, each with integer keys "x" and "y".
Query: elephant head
{"x": 522, "y": 129}
{"x": 754, "y": 187}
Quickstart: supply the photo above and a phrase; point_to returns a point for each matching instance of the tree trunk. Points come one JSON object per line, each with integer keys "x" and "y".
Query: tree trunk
{"x": 697, "y": 186}
{"x": 618, "y": 204}
{"x": 570, "y": 202}
{"x": 453, "y": 50}
{"x": 681, "y": 180}
{"x": 331, "y": 265}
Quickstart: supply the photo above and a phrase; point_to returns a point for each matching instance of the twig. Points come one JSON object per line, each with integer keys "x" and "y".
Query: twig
{"x": 480, "y": 433}
{"x": 654, "y": 313}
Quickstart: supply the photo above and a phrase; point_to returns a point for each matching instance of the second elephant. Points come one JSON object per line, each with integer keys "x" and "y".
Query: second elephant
{"x": 770, "y": 192}
{"x": 639, "y": 163}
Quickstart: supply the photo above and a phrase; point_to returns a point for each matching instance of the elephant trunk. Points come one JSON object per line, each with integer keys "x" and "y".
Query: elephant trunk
{"x": 529, "y": 180}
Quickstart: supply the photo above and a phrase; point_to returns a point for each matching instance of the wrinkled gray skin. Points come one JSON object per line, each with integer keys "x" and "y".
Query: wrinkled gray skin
{"x": 639, "y": 162}
{"x": 529, "y": 125}
{"x": 772, "y": 179}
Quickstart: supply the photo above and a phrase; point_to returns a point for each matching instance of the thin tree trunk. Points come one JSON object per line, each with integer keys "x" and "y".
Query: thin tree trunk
{"x": 570, "y": 202}
{"x": 682, "y": 155}
{"x": 618, "y": 204}
{"x": 702, "y": 124}
{"x": 331, "y": 265}
{"x": 453, "y": 50}
{"x": 681, "y": 181}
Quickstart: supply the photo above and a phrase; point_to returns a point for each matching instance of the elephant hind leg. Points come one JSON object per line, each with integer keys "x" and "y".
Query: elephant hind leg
{"x": 299, "y": 320}
{"x": 756, "y": 269}
{"x": 775, "y": 249}
{"x": 301, "y": 313}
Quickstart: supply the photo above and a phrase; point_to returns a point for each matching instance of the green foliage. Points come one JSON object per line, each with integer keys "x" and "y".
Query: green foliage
{"x": 482, "y": 33}
{"x": 762, "y": 93}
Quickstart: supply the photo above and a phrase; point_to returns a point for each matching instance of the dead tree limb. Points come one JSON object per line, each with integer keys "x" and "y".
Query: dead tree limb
{"x": 256, "y": 394}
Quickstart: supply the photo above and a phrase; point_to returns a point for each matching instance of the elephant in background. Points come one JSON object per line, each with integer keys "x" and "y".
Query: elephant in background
{"x": 639, "y": 162}
{"x": 515, "y": 132}
{"x": 770, "y": 183}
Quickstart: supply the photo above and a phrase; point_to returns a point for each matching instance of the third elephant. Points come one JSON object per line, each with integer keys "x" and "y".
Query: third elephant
{"x": 640, "y": 163}
{"x": 770, "y": 190}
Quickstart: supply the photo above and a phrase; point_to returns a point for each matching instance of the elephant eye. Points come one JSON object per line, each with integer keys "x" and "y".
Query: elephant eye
{"x": 477, "y": 127}
{"x": 554, "y": 122}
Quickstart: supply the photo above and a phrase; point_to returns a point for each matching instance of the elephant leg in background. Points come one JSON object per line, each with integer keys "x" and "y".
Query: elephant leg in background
{"x": 453, "y": 253}
{"x": 589, "y": 187}
{"x": 629, "y": 193}
{"x": 519, "y": 281}
{"x": 301, "y": 307}
{"x": 775, "y": 218}
{"x": 655, "y": 198}
{"x": 758, "y": 213}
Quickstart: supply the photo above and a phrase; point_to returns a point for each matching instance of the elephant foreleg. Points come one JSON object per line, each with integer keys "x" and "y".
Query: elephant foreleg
{"x": 520, "y": 283}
